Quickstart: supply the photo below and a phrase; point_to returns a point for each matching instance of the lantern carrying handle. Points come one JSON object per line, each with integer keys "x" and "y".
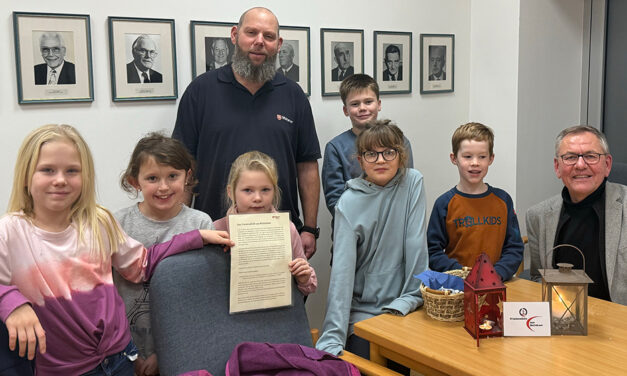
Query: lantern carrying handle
{"x": 583, "y": 258}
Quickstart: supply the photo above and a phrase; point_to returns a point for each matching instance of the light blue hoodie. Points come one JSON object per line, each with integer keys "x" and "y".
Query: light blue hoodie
{"x": 380, "y": 243}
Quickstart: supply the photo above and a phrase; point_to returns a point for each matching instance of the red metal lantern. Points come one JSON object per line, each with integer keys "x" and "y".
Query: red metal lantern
{"x": 484, "y": 294}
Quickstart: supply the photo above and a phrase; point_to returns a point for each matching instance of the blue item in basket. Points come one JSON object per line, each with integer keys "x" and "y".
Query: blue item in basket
{"x": 435, "y": 280}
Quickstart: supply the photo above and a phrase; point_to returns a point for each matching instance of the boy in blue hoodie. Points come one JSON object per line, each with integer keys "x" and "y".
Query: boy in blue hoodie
{"x": 360, "y": 96}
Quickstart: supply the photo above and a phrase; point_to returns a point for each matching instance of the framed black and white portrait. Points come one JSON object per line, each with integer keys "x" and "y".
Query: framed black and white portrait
{"x": 211, "y": 45}
{"x": 294, "y": 56}
{"x": 437, "y": 63}
{"x": 393, "y": 61}
{"x": 53, "y": 57}
{"x": 342, "y": 52}
{"x": 142, "y": 58}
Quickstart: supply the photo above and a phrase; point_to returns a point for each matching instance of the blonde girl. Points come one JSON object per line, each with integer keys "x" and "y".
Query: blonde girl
{"x": 57, "y": 248}
{"x": 253, "y": 188}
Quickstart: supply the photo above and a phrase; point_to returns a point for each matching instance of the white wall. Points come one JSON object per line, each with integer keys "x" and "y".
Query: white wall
{"x": 494, "y": 82}
{"x": 549, "y": 92}
{"x": 112, "y": 129}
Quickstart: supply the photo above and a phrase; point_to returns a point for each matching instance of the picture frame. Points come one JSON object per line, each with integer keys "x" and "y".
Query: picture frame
{"x": 142, "y": 55}
{"x": 296, "y": 55}
{"x": 348, "y": 45}
{"x": 437, "y": 63}
{"x": 211, "y": 45}
{"x": 393, "y": 61}
{"x": 53, "y": 57}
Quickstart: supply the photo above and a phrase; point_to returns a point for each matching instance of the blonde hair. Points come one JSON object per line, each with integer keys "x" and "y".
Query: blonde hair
{"x": 472, "y": 132}
{"x": 253, "y": 161}
{"x": 85, "y": 213}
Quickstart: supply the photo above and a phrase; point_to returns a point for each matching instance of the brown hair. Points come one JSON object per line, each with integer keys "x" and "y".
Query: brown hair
{"x": 475, "y": 132}
{"x": 384, "y": 134}
{"x": 358, "y": 82}
{"x": 166, "y": 151}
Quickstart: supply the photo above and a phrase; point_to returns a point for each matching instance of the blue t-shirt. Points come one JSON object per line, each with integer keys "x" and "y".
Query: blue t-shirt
{"x": 219, "y": 119}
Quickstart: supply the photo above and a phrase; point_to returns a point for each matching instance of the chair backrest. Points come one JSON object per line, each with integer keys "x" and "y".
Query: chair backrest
{"x": 618, "y": 173}
{"x": 189, "y": 297}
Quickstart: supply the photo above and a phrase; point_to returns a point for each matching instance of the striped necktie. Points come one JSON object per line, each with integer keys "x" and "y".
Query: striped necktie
{"x": 53, "y": 77}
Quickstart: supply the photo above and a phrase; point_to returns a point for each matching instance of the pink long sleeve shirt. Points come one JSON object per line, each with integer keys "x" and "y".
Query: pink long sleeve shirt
{"x": 71, "y": 291}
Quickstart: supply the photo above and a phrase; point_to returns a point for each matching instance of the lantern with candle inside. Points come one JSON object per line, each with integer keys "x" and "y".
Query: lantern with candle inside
{"x": 484, "y": 294}
{"x": 566, "y": 290}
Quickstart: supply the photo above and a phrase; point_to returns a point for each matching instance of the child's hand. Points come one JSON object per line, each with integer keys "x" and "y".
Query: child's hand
{"x": 216, "y": 237}
{"x": 299, "y": 267}
{"x": 147, "y": 367}
{"x": 24, "y": 328}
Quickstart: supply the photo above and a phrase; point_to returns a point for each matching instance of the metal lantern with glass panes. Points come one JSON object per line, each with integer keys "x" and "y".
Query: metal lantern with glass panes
{"x": 566, "y": 290}
{"x": 484, "y": 294}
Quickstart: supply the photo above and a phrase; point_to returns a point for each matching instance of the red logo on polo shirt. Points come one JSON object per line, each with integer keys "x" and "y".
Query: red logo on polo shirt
{"x": 284, "y": 118}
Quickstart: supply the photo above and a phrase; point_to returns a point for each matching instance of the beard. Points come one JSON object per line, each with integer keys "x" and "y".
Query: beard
{"x": 254, "y": 73}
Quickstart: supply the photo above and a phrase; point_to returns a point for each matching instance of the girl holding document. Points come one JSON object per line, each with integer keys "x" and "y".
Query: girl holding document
{"x": 253, "y": 188}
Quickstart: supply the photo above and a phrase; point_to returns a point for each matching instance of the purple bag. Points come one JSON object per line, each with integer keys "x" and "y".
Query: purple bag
{"x": 285, "y": 359}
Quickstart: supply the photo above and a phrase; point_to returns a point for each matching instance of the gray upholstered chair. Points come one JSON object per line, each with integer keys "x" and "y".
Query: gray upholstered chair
{"x": 189, "y": 296}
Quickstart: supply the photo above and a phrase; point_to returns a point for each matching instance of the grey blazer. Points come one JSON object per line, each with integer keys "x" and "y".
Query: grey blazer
{"x": 542, "y": 224}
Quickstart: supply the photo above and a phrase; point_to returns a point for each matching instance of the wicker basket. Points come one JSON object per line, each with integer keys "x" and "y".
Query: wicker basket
{"x": 445, "y": 307}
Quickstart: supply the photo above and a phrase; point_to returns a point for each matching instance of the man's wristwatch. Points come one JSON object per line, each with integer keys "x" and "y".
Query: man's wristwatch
{"x": 312, "y": 230}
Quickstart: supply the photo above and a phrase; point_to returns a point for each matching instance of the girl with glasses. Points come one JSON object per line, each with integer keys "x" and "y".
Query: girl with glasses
{"x": 379, "y": 243}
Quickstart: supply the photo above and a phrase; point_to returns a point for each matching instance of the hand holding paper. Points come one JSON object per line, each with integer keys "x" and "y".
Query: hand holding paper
{"x": 301, "y": 270}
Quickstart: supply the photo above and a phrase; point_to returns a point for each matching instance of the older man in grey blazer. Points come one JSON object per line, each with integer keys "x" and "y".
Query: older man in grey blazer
{"x": 590, "y": 214}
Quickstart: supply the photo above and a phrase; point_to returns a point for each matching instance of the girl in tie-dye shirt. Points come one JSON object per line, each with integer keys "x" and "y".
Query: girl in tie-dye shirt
{"x": 57, "y": 247}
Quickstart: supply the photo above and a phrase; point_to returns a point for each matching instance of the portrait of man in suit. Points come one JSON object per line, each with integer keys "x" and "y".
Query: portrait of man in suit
{"x": 392, "y": 60}
{"x": 219, "y": 54}
{"x": 437, "y": 63}
{"x": 286, "y": 62}
{"x": 139, "y": 71}
{"x": 56, "y": 70}
{"x": 342, "y": 52}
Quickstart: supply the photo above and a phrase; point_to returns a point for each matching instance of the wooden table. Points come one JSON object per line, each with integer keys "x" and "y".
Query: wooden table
{"x": 443, "y": 348}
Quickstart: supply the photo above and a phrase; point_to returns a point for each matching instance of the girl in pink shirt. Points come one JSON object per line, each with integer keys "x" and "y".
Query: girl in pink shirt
{"x": 253, "y": 188}
{"x": 57, "y": 247}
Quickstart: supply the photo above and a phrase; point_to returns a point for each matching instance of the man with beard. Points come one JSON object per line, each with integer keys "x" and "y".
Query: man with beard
{"x": 245, "y": 106}
{"x": 139, "y": 71}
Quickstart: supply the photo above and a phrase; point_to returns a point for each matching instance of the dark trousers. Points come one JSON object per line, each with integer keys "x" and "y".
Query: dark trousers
{"x": 11, "y": 364}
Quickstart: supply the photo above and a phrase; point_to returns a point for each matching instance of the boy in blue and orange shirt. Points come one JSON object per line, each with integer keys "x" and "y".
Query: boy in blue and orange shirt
{"x": 474, "y": 217}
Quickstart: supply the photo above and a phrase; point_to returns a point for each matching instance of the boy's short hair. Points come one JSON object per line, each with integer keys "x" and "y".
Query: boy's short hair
{"x": 475, "y": 132}
{"x": 358, "y": 82}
